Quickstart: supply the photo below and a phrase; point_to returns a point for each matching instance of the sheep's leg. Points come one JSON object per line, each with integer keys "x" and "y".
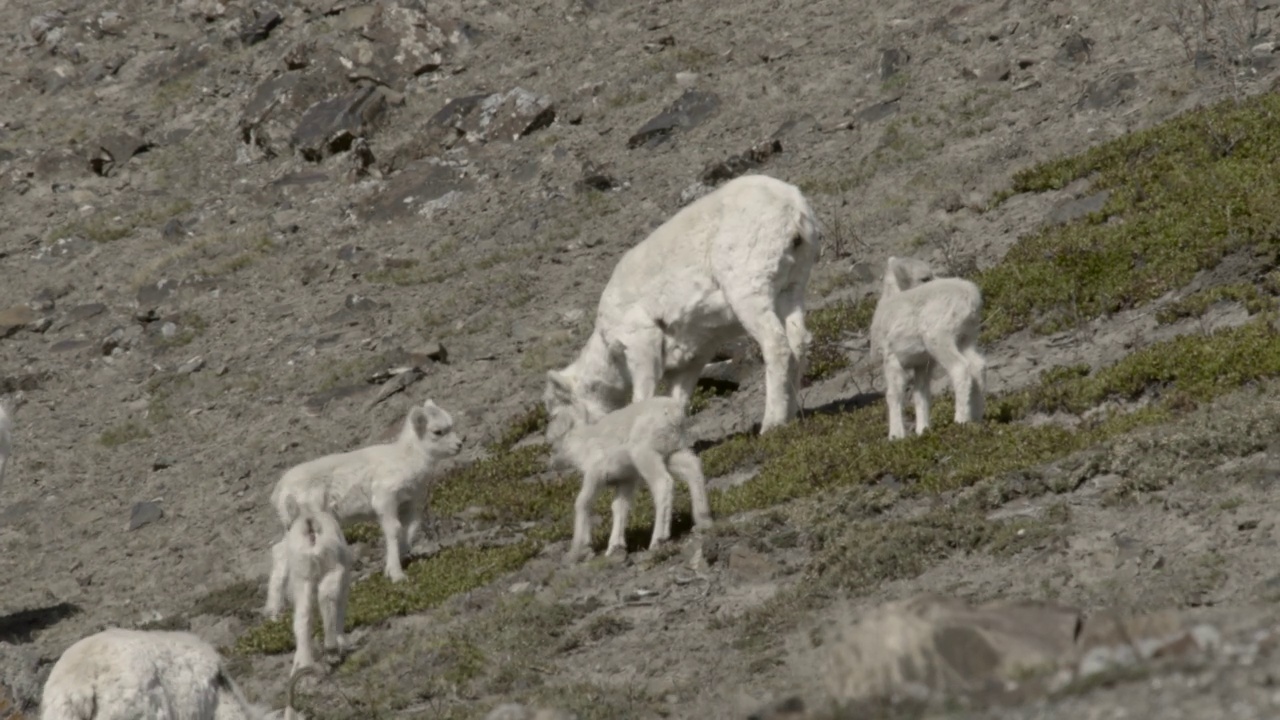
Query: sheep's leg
{"x": 686, "y": 464}
{"x": 644, "y": 362}
{"x": 756, "y": 314}
{"x": 653, "y": 468}
{"x": 330, "y": 595}
{"x": 410, "y": 516}
{"x": 978, "y": 377}
{"x": 791, "y": 309}
{"x": 393, "y": 533}
{"x": 946, "y": 353}
{"x": 580, "y": 546}
{"x": 302, "y": 594}
{"x": 895, "y": 382}
{"x": 621, "y": 511}
{"x": 278, "y": 580}
{"x": 922, "y": 397}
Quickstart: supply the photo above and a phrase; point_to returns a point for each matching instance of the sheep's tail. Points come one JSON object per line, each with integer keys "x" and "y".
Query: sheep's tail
{"x": 804, "y": 225}
{"x": 291, "y": 692}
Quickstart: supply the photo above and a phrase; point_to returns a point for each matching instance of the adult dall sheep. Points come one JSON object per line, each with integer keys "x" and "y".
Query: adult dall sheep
{"x": 920, "y": 320}
{"x": 387, "y": 482}
{"x": 735, "y": 261}
{"x": 121, "y": 674}
{"x": 640, "y": 441}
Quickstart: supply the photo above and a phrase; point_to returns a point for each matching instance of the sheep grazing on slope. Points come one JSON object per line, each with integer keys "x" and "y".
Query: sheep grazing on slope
{"x": 640, "y": 441}
{"x": 387, "y": 482}
{"x": 735, "y": 261}
{"x": 121, "y": 674}
{"x": 319, "y": 570}
{"x": 919, "y": 320}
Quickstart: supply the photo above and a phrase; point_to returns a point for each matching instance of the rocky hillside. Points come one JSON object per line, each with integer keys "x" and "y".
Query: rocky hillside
{"x": 238, "y": 235}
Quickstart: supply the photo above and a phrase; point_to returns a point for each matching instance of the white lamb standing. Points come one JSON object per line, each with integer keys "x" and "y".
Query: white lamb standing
{"x": 919, "y": 320}
{"x": 387, "y": 482}
{"x": 121, "y": 674}
{"x": 735, "y": 261}
{"x": 319, "y": 570}
{"x": 641, "y": 441}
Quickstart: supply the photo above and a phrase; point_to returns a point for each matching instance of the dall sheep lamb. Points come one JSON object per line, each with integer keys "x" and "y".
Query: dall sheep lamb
{"x": 319, "y": 570}
{"x": 735, "y": 261}
{"x": 641, "y": 441}
{"x": 387, "y": 482}
{"x": 920, "y": 320}
{"x": 122, "y": 674}
{"x": 6, "y": 438}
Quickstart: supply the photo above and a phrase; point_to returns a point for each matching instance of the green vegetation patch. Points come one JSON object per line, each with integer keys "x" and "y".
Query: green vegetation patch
{"x": 1184, "y": 195}
{"x": 1254, "y": 298}
{"x": 830, "y": 326}
{"x": 125, "y": 432}
{"x": 430, "y": 582}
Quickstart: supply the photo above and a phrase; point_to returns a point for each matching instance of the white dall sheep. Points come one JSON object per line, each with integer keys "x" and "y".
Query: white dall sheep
{"x": 6, "y": 438}
{"x": 920, "y": 320}
{"x": 319, "y": 570}
{"x": 735, "y": 261}
{"x": 387, "y": 482}
{"x": 641, "y": 441}
{"x": 121, "y": 674}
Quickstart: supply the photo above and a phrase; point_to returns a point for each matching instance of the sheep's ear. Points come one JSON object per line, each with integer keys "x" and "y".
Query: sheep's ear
{"x": 901, "y": 275}
{"x": 559, "y": 385}
{"x": 418, "y": 419}
{"x": 429, "y": 404}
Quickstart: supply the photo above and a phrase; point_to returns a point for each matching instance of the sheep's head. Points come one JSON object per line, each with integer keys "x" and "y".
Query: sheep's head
{"x": 432, "y": 427}
{"x": 565, "y": 407}
{"x": 905, "y": 273}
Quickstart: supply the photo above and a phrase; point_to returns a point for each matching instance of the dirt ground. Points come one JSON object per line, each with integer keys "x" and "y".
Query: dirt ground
{"x": 191, "y": 304}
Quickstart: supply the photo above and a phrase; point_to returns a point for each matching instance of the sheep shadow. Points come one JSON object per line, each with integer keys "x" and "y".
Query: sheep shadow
{"x": 835, "y": 407}
{"x": 19, "y": 628}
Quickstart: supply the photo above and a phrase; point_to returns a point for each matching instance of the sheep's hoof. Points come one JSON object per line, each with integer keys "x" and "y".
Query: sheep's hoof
{"x": 397, "y": 577}
{"x": 616, "y": 551}
{"x": 270, "y": 613}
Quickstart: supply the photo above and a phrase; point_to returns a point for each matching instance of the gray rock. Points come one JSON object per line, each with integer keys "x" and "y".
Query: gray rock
{"x": 193, "y": 365}
{"x": 1107, "y": 92}
{"x": 1076, "y": 208}
{"x": 259, "y": 27}
{"x": 754, "y": 157}
{"x": 144, "y": 513}
{"x": 113, "y": 150}
{"x": 86, "y": 311}
{"x": 892, "y": 60}
{"x": 1075, "y": 49}
{"x": 330, "y": 126}
{"x": 506, "y": 116}
{"x": 422, "y": 188}
{"x": 398, "y": 44}
{"x": 14, "y": 318}
{"x": 877, "y": 112}
{"x": 689, "y": 110}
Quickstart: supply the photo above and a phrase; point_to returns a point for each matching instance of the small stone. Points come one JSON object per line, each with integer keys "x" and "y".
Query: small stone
{"x": 195, "y": 364}
{"x": 144, "y": 513}
{"x": 169, "y": 330}
{"x": 160, "y": 463}
{"x": 13, "y": 319}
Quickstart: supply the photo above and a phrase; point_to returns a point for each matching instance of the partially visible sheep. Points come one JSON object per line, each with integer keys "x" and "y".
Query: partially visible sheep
{"x": 919, "y": 320}
{"x": 319, "y": 570}
{"x": 387, "y": 482}
{"x": 735, "y": 261}
{"x": 6, "y": 438}
{"x": 640, "y": 441}
{"x": 121, "y": 674}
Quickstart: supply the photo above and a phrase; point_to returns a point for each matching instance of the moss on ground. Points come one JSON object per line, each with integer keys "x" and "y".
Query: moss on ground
{"x": 1184, "y": 195}
{"x": 1255, "y": 299}
{"x": 1187, "y": 194}
{"x": 451, "y": 571}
